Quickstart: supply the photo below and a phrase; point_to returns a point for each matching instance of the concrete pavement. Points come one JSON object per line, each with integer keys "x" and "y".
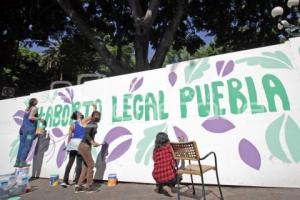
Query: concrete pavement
{"x": 131, "y": 191}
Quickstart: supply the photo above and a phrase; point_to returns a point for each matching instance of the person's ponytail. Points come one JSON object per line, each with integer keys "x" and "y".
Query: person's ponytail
{"x": 32, "y": 102}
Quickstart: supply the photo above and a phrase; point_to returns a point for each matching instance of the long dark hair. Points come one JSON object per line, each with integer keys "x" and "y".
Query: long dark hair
{"x": 74, "y": 115}
{"x": 161, "y": 139}
{"x": 32, "y": 102}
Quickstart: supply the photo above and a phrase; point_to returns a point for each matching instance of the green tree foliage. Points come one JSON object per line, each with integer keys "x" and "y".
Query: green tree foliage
{"x": 114, "y": 36}
{"x": 27, "y": 74}
{"x": 174, "y": 56}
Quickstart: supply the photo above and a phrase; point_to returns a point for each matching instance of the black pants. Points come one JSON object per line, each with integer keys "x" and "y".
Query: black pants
{"x": 170, "y": 183}
{"x": 72, "y": 156}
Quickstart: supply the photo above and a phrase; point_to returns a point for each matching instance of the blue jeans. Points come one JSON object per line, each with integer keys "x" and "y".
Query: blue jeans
{"x": 26, "y": 138}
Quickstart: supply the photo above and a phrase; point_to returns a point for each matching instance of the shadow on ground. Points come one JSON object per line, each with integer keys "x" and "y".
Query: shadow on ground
{"x": 131, "y": 191}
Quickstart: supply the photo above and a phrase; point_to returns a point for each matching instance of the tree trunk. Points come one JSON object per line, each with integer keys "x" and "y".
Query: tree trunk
{"x": 141, "y": 52}
{"x": 143, "y": 23}
{"x": 163, "y": 48}
{"x": 115, "y": 66}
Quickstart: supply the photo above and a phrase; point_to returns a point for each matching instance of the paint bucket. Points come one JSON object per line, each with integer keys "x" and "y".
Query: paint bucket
{"x": 12, "y": 185}
{"x": 4, "y": 185}
{"x": 112, "y": 180}
{"x": 54, "y": 180}
{"x": 41, "y": 127}
{"x": 23, "y": 171}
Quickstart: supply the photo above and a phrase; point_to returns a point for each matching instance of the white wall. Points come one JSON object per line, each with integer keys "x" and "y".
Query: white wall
{"x": 257, "y": 149}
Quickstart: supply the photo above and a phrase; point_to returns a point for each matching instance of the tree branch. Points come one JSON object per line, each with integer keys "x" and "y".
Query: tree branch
{"x": 151, "y": 13}
{"x": 168, "y": 37}
{"x": 115, "y": 66}
{"x": 148, "y": 18}
{"x": 136, "y": 8}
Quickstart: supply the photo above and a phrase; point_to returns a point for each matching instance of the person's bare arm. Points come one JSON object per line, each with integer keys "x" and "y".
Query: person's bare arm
{"x": 32, "y": 114}
{"x": 70, "y": 135}
{"x": 87, "y": 119}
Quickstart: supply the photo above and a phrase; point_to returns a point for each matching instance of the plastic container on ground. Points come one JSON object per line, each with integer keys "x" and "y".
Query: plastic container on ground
{"x": 54, "y": 180}
{"x": 112, "y": 180}
{"x": 14, "y": 184}
{"x": 22, "y": 171}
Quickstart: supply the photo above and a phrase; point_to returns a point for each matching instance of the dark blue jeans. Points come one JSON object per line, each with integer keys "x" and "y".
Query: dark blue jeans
{"x": 26, "y": 138}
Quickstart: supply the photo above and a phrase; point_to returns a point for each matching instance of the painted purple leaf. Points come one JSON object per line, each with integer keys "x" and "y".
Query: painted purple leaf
{"x": 68, "y": 90}
{"x": 132, "y": 83}
{"x": 18, "y": 117}
{"x": 119, "y": 150}
{"x": 217, "y": 125}
{"x": 71, "y": 94}
{"x": 219, "y": 66}
{"x": 57, "y": 132}
{"x": 111, "y": 136}
{"x": 138, "y": 84}
{"x": 32, "y": 150}
{"x": 172, "y": 78}
{"x": 180, "y": 134}
{"x": 61, "y": 155}
{"x": 249, "y": 154}
{"x": 115, "y": 133}
{"x": 228, "y": 68}
{"x": 64, "y": 97}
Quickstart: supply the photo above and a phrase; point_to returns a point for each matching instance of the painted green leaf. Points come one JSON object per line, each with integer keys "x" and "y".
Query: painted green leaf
{"x": 279, "y": 55}
{"x": 272, "y": 139}
{"x": 144, "y": 145}
{"x": 148, "y": 155}
{"x": 49, "y": 97}
{"x": 45, "y": 97}
{"x": 26, "y": 102}
{"x": 292, "y": 136}
{"x": 189, "y": 70}
{"x": 14, "y": 149}
{"x": 264, "y": 62}
{"x": 195, "y": 70}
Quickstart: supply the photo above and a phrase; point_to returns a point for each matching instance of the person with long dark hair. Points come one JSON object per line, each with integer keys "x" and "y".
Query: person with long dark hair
{"x": 27, "y": 132}
{"x": 76, "y": 133}
{"x": 164, "y": 171}
{"x": 84, "y": 149}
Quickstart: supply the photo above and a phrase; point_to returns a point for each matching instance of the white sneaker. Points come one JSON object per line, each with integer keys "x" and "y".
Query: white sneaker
{"x": 64, "y": 185}
{"x": 168, "y": 191}
{"x": 183, "y": 188}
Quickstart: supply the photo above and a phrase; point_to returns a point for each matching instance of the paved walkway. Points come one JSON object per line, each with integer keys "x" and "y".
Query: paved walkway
{"x": 131, "y": 191}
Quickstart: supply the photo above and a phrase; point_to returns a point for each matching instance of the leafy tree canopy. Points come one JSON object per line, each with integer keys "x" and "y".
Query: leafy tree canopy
{"x": 115, "y": 36}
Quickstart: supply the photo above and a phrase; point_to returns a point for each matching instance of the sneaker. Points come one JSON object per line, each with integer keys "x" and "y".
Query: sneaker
{"x": 168, "y": 191}
{"x": 64, "y": 184}
{"x": 24, "y": 164}
{"x": 182, "y": 189}
{"x": 91, "y": 190}
{"x": 74, "y": 182}
{"x": 79, "y": 189}
{"x": 17, "y": 164}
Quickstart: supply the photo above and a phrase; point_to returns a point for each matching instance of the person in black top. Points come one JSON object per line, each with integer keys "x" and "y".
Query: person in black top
{"x": 84, "y": 149}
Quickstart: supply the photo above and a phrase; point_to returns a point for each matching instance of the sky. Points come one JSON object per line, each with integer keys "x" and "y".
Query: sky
{"x": 202, "y": 34}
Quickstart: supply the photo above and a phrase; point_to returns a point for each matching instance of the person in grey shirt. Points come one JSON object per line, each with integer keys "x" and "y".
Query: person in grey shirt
{"x": 84, "y": 149}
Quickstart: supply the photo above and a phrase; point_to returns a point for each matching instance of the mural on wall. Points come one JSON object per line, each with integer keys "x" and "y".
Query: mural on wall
{"x": 195, "y": 70}
{"x": 286, "y": 126}
{"x": 196, "y": 97}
